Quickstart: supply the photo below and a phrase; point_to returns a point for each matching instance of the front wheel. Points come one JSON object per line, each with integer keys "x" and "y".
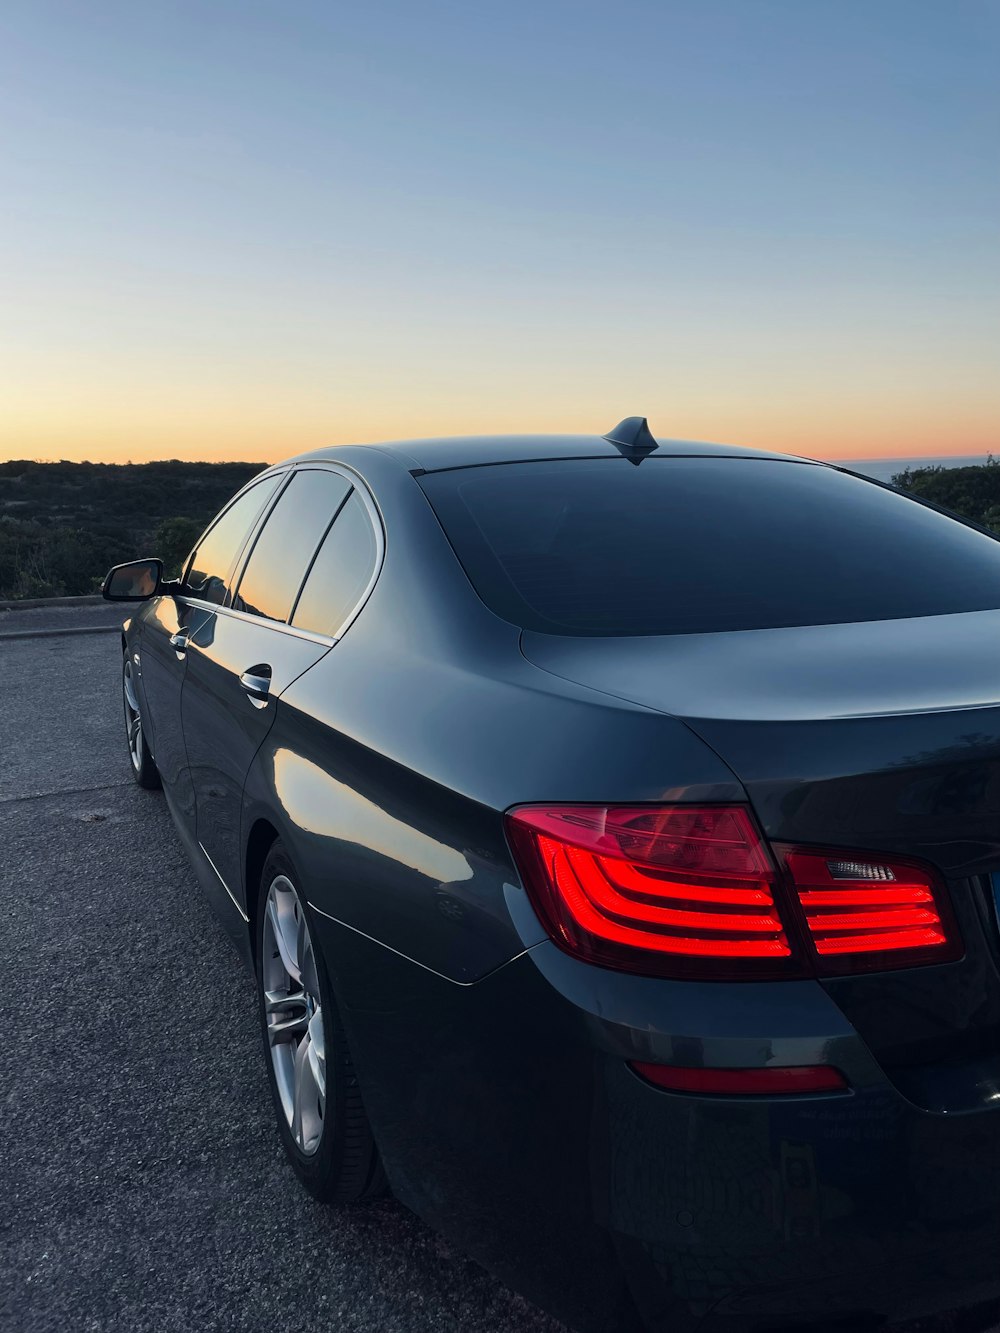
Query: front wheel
{"x": 143, "y": 765}
{"x": 321, "y": 1118}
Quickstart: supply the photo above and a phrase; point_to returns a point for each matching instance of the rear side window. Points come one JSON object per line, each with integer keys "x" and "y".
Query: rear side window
{"x": 695, "y": 545}
{"x": 281, "y": 554}
{"x": 215, "y": 555}
{"x": 342, "y": 570}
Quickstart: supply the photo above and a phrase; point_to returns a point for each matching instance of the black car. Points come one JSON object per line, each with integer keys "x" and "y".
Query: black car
{"x": 613, "y": 829}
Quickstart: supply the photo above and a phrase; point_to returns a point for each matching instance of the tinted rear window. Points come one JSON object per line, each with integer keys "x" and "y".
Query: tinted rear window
{"x": 695, "y": 545}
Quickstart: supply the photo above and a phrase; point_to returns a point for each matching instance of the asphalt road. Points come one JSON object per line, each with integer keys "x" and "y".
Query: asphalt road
{"x": 142, "y": 1185}
{"x": 57, "y": 620}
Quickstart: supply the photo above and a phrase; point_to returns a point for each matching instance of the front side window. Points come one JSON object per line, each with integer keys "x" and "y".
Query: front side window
{"x": 208, "y": 574}
{"x": 340, "y": 573}
{"x": 287, "y": 541}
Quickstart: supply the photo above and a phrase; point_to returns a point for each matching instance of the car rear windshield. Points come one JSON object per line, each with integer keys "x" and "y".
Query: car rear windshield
{"x": 692, "y": 545}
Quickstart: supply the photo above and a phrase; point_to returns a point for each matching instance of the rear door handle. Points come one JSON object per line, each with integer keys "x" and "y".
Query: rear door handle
{"x": 256, "y": 680}
{"x": 179, "y": 643}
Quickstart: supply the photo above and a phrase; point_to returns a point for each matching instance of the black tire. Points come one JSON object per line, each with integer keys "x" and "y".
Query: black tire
{"x": 141, "y": 760}
{"x": 345, "y": 1167}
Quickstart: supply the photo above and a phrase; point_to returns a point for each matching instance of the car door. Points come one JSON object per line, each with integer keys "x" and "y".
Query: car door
{"x": 237, "y": 672}
{"x": 161, "y": 655}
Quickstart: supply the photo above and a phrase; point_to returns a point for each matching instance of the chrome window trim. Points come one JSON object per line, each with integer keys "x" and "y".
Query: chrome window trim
{"x": 378, "y": 530}
{"x": 260, "y": 621}
{"x": 238, "y": 573}
{"x": 315, "y": 555}
{"x": 246, "y": 550}
{"x": 360, "y": 487}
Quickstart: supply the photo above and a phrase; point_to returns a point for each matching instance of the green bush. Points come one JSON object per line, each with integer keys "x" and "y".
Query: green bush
{"x": 173, "y": 542}
{"x": 63, "y": 525}
{"x": 973, "y": 492}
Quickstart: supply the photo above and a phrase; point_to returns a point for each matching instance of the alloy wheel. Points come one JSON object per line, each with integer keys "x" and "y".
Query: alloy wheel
{"x": 294, "y": 1014}
{"x": 133, "y": 721}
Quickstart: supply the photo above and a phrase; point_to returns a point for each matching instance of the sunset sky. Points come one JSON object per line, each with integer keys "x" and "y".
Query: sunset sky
{"x": 239, "y": 230}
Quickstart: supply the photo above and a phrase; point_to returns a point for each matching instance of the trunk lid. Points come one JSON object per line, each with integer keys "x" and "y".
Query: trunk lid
{"x": 883, "y": 736}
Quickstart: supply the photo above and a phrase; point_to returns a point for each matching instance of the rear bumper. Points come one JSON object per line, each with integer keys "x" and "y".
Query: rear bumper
{"x": 944, "y": 1279}
{"x": 509, "y": 1119}
{"x": 736, "y": 1213}
{"x": 859, "y": 1208}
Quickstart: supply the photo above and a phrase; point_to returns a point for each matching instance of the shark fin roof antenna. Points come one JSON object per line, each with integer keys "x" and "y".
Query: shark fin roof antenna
{"x": 633, "y": 438}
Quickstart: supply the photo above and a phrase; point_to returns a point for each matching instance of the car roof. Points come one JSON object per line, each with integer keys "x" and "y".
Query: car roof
{"x": 436, "y": 455}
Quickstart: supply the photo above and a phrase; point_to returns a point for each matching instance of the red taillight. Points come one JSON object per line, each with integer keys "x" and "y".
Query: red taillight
{"x": 665, "y": 890}
{"x": 691, "y": 891}
{"x": 866, "y": 913}
{"x": 765, "y": 1082}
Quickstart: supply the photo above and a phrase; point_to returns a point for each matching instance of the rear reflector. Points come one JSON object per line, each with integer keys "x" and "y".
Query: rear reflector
{"x": 664, "y": 890}
{"x": 870, "y": 913}
{"x": 767, "y": 1082}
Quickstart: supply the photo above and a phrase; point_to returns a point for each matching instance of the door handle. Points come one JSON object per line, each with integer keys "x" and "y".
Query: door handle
{"x": 179, "y": 643}
{"x": 256, "y": 681}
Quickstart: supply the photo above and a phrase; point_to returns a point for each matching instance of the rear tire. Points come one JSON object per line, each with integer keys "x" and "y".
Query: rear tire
{"x": 322, "y": 1121}
{"x": 144, "y": 768}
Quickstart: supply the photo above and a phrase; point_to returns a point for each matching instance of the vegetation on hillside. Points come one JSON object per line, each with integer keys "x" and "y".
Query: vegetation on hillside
{"x": 63, "y": 525}
{"x": 973, "y": 492}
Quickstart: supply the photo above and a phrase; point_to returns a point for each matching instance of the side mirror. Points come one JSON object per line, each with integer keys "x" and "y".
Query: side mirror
{"x": 135, "y": 582}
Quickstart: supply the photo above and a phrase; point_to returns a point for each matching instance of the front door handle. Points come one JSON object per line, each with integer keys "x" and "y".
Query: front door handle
{"x": 179, "y": 643}
{"x": 256, "y": 680}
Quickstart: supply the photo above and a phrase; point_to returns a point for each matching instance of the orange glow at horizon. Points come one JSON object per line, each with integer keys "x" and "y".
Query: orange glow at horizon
{"x": 216, "y": 433}
{"x": 150, "y": 390}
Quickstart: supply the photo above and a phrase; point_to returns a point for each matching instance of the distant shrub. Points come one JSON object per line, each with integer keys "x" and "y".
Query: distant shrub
{"x": 42, "y": 560}
{"x": 173, "y": 542}
{"x": 973, "y": 492}
{"x": 62, "y": 525}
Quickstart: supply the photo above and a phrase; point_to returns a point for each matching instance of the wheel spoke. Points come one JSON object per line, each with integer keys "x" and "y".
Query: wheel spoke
{"x": 301, "y": 1080}
{"x": 130, "y": 695}
{"x": 310, "y": 975}
{"x": 294, "y": 1016}
{"x": 286, "y": 948}
{"x": 302, "y": 943}
{"x": 317, "y": 1056}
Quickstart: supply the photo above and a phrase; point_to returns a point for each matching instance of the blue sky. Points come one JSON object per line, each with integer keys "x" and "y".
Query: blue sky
{"x": 237, "y": 230}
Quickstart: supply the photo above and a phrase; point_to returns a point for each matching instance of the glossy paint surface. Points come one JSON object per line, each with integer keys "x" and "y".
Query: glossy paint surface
{"x": 493, "y": 1065}
{"x": 162, "y": 669}
{"x": 224, "y": 727}
{"x": 811, "y": 673}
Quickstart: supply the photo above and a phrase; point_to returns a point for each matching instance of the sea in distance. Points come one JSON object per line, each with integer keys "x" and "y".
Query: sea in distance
{"x": 884, "y": 469}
